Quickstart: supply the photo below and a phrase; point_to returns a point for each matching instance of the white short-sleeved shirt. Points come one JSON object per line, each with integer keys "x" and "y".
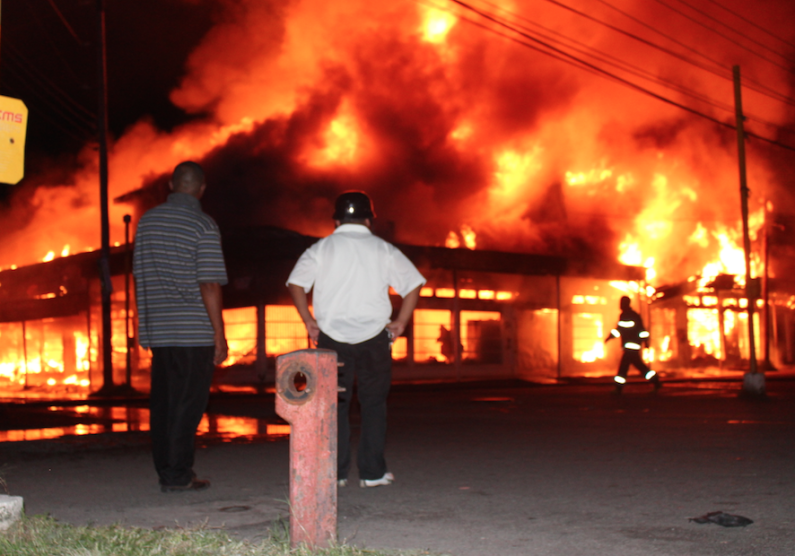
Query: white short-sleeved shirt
{"x": 351, "y": 271}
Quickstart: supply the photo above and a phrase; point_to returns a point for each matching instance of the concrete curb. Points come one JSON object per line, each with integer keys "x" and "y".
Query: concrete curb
{"x": 10, "y": 510}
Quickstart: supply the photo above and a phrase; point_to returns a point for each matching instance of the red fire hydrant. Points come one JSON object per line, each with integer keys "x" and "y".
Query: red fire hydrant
{"x": 311, "y": 410}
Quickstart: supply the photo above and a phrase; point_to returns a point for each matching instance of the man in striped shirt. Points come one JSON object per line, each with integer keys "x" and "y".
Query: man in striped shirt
{"x": 179, "y": 270}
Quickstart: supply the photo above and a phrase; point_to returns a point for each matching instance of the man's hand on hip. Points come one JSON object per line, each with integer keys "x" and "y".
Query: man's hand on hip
{"x": 221, "y": 350}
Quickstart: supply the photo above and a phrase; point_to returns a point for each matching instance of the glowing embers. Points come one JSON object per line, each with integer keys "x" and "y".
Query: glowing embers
{"x": 51, "y": 255}
{"x": 588, "y": 300}
{"x": 466, "y": 238}
{"x": 468, "y": 293}
{"x": 436, "y": 25}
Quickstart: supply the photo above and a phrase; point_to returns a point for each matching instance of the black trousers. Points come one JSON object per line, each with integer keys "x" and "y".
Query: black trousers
{"x": 370, "y": 363}
{"x": 181, "y": 378}
{"x": 632, "y": 357}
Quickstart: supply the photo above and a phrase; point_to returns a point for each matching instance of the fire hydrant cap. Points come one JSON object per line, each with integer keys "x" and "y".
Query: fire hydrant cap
{"x": 287, "y": 389}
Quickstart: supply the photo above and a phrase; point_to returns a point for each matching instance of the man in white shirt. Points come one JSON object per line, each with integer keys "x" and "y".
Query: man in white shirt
{"x": 351, "y": 272}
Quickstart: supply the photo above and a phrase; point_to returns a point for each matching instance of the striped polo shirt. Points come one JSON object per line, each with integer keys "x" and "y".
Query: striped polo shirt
{"x": 177, "y": 247}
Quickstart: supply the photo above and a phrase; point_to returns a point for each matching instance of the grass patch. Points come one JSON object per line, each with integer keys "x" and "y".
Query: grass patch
{"x": 43, "y": 536}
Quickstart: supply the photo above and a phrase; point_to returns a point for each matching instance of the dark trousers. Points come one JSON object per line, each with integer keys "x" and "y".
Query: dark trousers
{"x": 370, "y": 362}
{"x": 181, "y": 378}
{"x": 632, "y": 357}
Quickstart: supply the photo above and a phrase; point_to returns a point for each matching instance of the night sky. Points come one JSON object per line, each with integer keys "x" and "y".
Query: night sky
{"x": 53, "y": 68}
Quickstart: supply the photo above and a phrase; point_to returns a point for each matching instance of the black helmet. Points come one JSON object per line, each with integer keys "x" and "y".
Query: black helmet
{"x": 353, "y": 205}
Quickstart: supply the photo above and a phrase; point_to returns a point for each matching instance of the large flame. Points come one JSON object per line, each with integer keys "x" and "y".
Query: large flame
{"x": 446, "y": 124}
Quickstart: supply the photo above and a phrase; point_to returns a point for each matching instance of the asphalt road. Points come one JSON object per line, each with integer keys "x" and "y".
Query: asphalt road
{"x": 504, "y": 469}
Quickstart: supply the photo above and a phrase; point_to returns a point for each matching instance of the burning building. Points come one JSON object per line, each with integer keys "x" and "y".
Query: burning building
{"x": 599, "y": 137}
{"x": 482, "y": 314}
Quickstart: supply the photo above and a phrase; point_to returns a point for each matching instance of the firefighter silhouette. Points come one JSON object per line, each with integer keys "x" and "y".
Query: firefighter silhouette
{"x": 446, "y": 339}
{"x": 633, "y": 334}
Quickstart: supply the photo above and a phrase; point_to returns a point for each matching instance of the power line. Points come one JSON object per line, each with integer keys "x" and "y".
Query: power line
{"x": 758, "y": 87}
{"x": 632, "y": 69}
{"x": 73, "y": 106}
{"x": 66, "y": 23}
{"x": 748, "y": 21}
{"x": 55, "y": 123}
{"x": 557, "y": 53}
{"x": 55, "y": 102}
{"x": 694, "y": 20}
{"x": 719, "y": 22}
{"x": 46, "y": 34}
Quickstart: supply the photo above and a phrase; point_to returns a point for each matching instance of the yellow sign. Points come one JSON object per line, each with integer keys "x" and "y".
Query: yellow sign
{"x": 13, "y": 129}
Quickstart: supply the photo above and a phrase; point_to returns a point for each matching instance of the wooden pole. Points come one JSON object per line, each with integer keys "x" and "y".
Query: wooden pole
{"x": 750, "y": 385}
{"x": 102, "y": 130}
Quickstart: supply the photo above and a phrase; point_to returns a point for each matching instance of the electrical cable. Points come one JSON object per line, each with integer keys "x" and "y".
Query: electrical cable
{"x": 719, "y": 22}
{"x": 53, "y": 122}
{"x": 66, "y": 23}
{"x": 63, "y": 110}
{"x": 748, "y": 21}
{"x": 45, "y": 33}
{"x": 45, "y": 82}
{"x": 630, "y": 68}
{"x": 731, "y": 40}
{"x": 625, "y": 66}
{"x": 576, "y": 61}
{"x": 757, "y": 86}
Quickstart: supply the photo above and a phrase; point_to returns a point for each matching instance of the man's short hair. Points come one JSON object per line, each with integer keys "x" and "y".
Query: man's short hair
{"x": 352, "y": 220}
{"x": 187, "y": 176}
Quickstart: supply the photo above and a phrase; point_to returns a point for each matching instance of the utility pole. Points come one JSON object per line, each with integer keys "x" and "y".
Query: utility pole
{"x": 104, "y": 262}
{"x": 753, "y": 382}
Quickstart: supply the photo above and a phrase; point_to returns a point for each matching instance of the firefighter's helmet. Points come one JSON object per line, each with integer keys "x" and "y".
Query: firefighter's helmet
{"x": 353, "y": 205}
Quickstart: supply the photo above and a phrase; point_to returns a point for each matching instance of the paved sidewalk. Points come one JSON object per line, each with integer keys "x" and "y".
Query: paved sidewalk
{"x": 499, "y": 469}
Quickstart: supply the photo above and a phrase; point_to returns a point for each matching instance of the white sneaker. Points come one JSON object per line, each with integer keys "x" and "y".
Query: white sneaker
{"x": 342, "y": 482}
{"x": 387, "y": 479}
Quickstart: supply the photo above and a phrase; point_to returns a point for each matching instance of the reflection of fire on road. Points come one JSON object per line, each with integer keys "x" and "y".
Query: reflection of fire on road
{"x": 104, "y": 419}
